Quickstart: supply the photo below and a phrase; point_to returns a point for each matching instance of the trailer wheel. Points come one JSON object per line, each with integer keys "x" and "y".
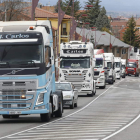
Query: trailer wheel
{"x": 59, "y": 112}
{"x": 6, "y": 116}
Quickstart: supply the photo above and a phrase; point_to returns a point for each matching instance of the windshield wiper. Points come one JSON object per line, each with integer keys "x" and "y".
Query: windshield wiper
{"x": 25, "y": 63}
{"x": 4, "y": 64}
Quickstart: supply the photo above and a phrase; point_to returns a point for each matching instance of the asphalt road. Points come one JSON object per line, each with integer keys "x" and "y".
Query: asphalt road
{"x": 10, "y": 126}
{"x": 113, "y": 114}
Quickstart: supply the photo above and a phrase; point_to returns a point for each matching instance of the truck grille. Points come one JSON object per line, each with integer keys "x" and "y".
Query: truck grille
{"x": 75, "y": 78}
{"x": 77, "y": 86}
{"x": 17, "y": 94}
{"x": 96, "y": 72}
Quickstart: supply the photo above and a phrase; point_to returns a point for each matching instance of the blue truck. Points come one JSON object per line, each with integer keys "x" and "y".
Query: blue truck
{"x": 27, "y": 70}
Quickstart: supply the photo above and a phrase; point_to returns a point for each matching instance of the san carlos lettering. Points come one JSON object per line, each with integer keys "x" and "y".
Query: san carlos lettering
{"x": 18, "y": 36}
{"x": 74, "y": 51}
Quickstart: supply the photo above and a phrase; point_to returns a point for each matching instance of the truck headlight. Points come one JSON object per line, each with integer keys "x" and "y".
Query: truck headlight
{"x": 40, "y": 99}
{"x": 67, "y": 97}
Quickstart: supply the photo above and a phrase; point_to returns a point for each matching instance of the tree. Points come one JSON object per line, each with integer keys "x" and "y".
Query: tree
{"x": 130, "y": 35}
{"x": 66, "y": 3}
{"x": 102, "y": 21}
{"x": 92, "y": 12}
{"x": 12, "y": 9}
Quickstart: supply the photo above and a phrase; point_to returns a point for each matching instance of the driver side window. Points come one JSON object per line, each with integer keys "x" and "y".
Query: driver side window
{"x": 48, "y": 56}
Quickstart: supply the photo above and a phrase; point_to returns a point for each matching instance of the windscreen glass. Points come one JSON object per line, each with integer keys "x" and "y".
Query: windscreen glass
{"x": 75, "y": 62}
{"x": 109, "y": 65}
{"x": 99, "y": 63}
{"x": 117, "y": 64}
{"x": 20, "y": 54}
{"x": 63, "y": 86}
{"x": 131, "y": 65}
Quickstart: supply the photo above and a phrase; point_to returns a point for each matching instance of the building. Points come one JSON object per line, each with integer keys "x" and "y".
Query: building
{"x": 103, "y": 41}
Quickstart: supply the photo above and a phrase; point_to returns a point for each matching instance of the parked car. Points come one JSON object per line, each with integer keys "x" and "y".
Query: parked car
{"x": 70, "y": 94}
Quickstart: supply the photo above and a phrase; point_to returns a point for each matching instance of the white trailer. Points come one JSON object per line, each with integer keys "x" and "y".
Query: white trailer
{"x": 109, "y": 66}
{"x": 77, "y": 65}
{"x": 118, "y": 67}
{"x": 123, "y": 61}
{"x": 99, "y": 72}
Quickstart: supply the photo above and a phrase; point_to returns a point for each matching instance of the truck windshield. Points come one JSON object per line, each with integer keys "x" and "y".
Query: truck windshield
{"x": 131, "y": 65}
{"x": 75, "y": 62}
{"x": 123, "y": 66}
{"x": 117, "y": 64}
{"x": 109, "y": 65}
{"x": 63, "y": 86}
{"x": 19, "y": 54}
{"x": 99, "y": 63}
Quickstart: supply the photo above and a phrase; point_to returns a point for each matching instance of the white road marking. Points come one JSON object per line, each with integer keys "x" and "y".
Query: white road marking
{"x": 63, "y": 117}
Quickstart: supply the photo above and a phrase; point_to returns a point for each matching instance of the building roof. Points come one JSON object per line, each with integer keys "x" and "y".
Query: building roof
{"x": 119, "y": 23}
{"x": 138, "y": 22}
{"x": 102, "y": 39}
{"x": 41, "y": 13}
{"x": 49, "y": 8}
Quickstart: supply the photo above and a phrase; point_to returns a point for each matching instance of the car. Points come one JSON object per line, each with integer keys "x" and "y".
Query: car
{"x": 70, "y": 94}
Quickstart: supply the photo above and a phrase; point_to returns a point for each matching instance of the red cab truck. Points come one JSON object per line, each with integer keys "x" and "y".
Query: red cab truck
{"x": 132, "y": 67}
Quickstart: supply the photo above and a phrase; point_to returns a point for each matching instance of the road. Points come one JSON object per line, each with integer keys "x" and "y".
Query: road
{"x": 113, "y": 114}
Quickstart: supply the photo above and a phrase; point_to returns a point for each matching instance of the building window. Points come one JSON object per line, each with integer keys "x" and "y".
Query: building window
{"x": 123, "y": 51}
{"x": 105, "y": 49}
{"x": 64, "y": 30}
{"x": 118, "y": 50}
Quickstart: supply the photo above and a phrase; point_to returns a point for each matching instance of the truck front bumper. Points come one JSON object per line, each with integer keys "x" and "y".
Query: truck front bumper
{"x": 18, "y": 112}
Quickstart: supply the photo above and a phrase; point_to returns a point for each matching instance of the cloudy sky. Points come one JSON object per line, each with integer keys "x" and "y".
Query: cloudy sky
{"x": 110, "y": 5}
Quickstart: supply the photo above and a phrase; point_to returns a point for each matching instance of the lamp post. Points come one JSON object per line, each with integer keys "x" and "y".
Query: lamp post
{"x": 94, "y": 29}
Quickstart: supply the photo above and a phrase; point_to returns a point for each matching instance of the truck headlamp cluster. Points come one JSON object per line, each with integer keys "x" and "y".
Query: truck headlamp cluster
{"x": 64, "y": 46}
{"x": 40, "y": 99}
{"x": 67, "y": 97}
{"x": 84, "y": 46}
{"x": 80, "y": 46}
{"x": 69, "y": 46}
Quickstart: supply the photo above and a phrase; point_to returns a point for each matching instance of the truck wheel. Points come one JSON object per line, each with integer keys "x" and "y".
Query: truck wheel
{"x": 6, "y": 116}
{"x": 45, "y": 117}
{"x": 72, "y": 106}
{"x": 76, "y": 104}
{"x": 59, "y": 112}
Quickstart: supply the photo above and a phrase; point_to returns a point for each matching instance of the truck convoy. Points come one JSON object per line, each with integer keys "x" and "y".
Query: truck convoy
{"x": 27, "y": 72}
{"x": 132, "y": 67}
{"x": 118, "y": 67}
{"x": 77, "y": 66}
{"x": 99, "y": 72}
{"x": 109, "y": 66}
{"x": 123, "y": 61}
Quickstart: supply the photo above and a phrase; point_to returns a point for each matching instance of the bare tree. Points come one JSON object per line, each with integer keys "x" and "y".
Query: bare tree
{"x": 11, "y": 10}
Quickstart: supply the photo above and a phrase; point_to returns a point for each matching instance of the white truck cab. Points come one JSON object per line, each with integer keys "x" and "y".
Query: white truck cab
{"x": 109, "y": 66}
{"x": 118, "y": 67}
{"x": 76, "y": 66}
{"x": 99, "y": 72}
{"x": 123, "y": 61}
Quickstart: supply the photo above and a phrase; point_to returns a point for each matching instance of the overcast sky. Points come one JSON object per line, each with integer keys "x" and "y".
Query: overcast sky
{"x": 110, "y": 5}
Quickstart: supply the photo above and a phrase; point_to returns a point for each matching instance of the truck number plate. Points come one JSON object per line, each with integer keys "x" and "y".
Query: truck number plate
{"x": 14, "y": 112}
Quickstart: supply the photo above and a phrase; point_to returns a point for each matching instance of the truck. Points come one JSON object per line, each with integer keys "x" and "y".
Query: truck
{"x": 123, "y": 61}
{"x": 109, "y": 66}
{"x": 99, "y": 72}
{"x": 77, "y": 66}
{"x": 118, "y": 67}
{"x": 132, "y": 67}
{"x": 27, "y": 71}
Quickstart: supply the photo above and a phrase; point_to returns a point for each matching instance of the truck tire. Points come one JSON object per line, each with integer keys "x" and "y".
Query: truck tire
{"x": 72, "y": 106}
{"x": 6, "y": 116}
{"x": 76, "y": 104}
{"x": 59, "y": 112}
{"x": 45, "y": 117}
